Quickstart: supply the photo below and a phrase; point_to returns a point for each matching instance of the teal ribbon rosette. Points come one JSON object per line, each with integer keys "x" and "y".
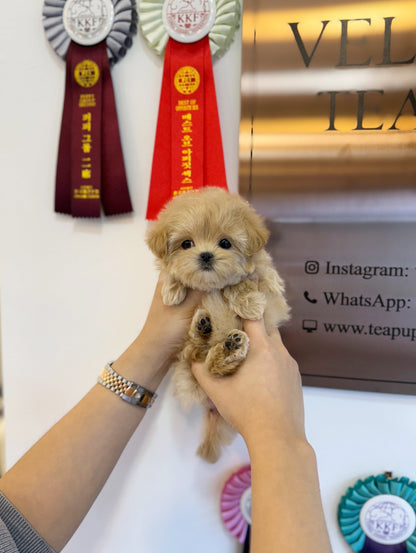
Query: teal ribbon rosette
{"x": 377, "y": 515}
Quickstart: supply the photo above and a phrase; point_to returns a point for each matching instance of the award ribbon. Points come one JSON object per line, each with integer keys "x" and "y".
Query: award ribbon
{"x": 236, "y": 505}
{"x": 90, "y": 168}
{"x": 188, "y": 152}
{"x": 377, "y": 515}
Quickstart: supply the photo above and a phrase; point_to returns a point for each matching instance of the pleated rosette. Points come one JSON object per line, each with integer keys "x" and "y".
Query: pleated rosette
{"x": 227, "y": 21}
{"x": 118, "y": 40}
{"x": 378, "y": 515}
{"x": 188, "y": 152}
{"x": 236, "y": 503}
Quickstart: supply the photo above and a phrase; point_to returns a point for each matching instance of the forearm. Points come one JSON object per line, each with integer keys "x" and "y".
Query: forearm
{"x": 287, "y": 514}
{"x": 57, "y": 480}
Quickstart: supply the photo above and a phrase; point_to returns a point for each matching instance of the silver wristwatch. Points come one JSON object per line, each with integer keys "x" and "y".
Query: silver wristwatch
{"x": 128, "y": 390}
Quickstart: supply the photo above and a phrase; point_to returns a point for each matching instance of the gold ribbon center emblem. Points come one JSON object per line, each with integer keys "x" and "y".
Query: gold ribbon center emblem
{"x": 86, "y": 73}
{"x": 186, "y": 80}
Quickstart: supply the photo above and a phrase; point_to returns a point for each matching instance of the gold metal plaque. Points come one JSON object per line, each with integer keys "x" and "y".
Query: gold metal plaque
{"x": 328, "y": 95}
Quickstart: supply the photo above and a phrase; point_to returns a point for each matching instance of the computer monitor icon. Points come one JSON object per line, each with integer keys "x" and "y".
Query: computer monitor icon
{"x": 310, "y": 325}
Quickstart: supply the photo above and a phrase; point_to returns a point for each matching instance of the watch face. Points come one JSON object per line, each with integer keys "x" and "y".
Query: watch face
{"x": 387, "y": 519}
{"x": 88, "y": 22}
{"x": 188, "y": 20}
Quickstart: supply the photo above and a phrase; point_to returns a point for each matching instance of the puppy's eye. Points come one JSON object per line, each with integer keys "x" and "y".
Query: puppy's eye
{"x": 186, "y": 244}
{"x": 224, "y": 244}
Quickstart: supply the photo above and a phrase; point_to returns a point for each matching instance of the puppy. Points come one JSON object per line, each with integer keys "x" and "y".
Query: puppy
{"x": 213, "y": 241}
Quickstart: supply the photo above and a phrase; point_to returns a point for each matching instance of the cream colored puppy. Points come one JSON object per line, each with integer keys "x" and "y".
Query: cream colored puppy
{"x": 213, "y": 241}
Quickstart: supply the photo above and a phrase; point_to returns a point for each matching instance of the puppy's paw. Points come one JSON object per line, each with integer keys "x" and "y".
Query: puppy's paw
{"x": 236, "y": 346}
{"x": 201, "y": 324}
{"x": 201, "y": 327}
{"x": 252, "y": 307}
{"x": 224, "y": 358}
{"x": 173, "y": 293}
{"x": 246, "y": 300}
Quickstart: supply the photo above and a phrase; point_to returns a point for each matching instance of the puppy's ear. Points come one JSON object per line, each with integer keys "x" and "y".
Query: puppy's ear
{"x": 157, "y": 240}
{"x": 257, "y": 233}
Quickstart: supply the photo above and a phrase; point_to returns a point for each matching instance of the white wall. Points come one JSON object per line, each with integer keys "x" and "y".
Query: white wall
{"x": 75, "y": 292}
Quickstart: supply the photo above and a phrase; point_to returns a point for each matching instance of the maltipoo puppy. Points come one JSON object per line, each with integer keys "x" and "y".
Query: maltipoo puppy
{"x": 214, "y": 241}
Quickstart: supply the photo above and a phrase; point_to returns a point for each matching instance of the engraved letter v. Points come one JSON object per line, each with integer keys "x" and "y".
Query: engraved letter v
{"x": 306, "y": 58}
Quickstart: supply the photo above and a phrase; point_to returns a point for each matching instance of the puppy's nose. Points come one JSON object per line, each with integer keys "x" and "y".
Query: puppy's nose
{"x": 206, "y": 257}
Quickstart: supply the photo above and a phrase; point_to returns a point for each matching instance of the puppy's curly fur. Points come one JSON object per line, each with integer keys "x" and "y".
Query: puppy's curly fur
{"x": 213, "y": 241}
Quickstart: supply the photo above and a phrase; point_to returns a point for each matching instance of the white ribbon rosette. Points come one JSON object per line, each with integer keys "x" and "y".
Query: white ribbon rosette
{"x": 221, "y": 35}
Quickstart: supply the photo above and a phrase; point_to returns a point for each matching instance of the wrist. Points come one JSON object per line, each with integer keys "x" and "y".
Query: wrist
{"x": 143, "y": 363}
{"x": 282, "y": 450}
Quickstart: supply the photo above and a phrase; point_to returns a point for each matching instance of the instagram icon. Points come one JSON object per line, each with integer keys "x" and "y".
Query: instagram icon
{"x": 312, "y": 267}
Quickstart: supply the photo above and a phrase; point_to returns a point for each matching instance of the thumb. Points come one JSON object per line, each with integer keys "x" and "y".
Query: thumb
{"x": 197, "y": 369}
{"x": 207, "y": 382}
{"x": 200, "y": 373}
{"x": 253, "y": 327}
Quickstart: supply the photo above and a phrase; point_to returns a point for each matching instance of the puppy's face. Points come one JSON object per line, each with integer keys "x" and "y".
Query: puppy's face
{"x": 206, "y": 239}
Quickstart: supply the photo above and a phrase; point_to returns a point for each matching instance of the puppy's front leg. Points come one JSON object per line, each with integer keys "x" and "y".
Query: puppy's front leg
{"x": 245, "y": 299}
{"x": 200, "y": 333}
{"x": 173, "y": 293}
{"x": 224, "y": 358}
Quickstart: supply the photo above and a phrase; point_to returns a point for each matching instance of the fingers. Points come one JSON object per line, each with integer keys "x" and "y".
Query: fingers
{"x": 256, "y": 330}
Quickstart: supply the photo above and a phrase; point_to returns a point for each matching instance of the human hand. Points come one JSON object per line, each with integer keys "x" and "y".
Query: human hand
{"x": 160, "y": 339}
{"x": 263, "y": 400}
{"x": 166, "y": 326}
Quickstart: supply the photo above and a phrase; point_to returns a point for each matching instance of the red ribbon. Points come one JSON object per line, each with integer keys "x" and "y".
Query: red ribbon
{"x": 188, "y": 151}
{"x": 90, "y": 169}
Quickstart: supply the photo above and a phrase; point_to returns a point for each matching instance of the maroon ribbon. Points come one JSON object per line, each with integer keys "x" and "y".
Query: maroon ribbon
{"x": 90, "y": 168}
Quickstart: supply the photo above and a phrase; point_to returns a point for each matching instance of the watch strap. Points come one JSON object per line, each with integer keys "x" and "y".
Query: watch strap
{"x": 126, "y": 389}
